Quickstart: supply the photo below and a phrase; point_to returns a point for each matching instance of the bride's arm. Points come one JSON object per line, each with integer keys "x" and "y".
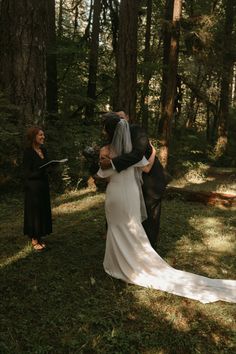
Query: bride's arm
{"x": 104, "y": 154}
{"x": 151, "y": 160}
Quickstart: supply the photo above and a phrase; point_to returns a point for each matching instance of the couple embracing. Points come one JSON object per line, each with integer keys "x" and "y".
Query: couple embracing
{"x": 133, "y": 202}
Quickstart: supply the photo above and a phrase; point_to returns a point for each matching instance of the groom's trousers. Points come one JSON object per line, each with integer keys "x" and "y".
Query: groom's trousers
{"x": 152, "y": 223}
{"x": 154, "y": 186}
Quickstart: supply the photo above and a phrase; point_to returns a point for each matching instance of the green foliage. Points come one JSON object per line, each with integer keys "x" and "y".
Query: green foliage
{"x": 67, "y": 138}
{"x": 200, "y": 70}
{"x": 11, "y": 140}
{"x": 228, "y": 159}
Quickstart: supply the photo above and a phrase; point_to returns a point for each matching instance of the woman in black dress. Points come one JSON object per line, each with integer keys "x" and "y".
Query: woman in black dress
{"x": 37, "y": 208}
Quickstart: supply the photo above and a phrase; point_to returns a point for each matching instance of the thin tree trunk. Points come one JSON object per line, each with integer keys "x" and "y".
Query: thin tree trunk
{"x": 60, "y": 20}
{"x": 166, "y": 53}
{"x": 170, "y": 93}
{"x": 75, "y": 5}
{"x": 114, "y": 13}
{"x": 93, "y": 61}
{"x": 222, "y": 139}
{"x": 52, "y": 106}
{"x": 233, "y": 96}
{"x": 146, "y": 68}
{"x": 87, "y": 29}
{"x": 208, "y": 131}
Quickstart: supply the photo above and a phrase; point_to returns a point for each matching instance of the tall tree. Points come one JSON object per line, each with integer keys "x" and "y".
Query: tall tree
{"x": 114, "y": 15}
{"x": 227, "y": 68}
{"x": 60, "y": 20}
{"x": 93, "y": 60}
{"x": 51, "y": 60}
{"x": 166, "y": 35}
{"x": 146, "y": 68}
{"x": 127, "y": 57}
{"x": 171, "y": 79}
{"x": 23, "y": 58}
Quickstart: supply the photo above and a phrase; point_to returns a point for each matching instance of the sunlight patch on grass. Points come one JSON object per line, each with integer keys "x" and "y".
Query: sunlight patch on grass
{"x": 214, "y": 234}
{"x": 73, "y": 194}
{"x": 23, "y": 253}
{"x": 80, "y": 205}
{"x": 202, "y": 178}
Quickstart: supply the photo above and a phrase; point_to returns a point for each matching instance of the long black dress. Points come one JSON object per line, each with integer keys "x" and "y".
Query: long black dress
{"x": 37, "y": 208}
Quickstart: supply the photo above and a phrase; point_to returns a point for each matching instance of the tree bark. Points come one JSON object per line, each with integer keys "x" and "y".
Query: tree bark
{"x": 234, "y": 87}
{"x": 114, "y": 15}
{"x": 52, "y": 106}
{"x": 93, "y": 62}
{"x": 127, "y": 58}
{"x": 23, "y": 57}
{"x": 169, "y": 96}
{"x": 146, "y": 68}
{"x": 227, "y": 68}
{"x": 166, "y": 33}
{"x": 60, "y": 20}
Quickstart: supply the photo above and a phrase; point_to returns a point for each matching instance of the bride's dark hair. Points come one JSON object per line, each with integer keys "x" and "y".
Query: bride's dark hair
{"x": 110, "y": 121}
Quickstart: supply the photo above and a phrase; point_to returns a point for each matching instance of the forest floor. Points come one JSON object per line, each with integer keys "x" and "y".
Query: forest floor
{"x": 208, "y": 179}
{"x": 61, "y": 301}
{"x": 209, "y": 185}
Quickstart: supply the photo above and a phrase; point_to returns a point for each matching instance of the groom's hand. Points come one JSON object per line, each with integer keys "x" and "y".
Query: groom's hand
{"x": 105, "y": 163}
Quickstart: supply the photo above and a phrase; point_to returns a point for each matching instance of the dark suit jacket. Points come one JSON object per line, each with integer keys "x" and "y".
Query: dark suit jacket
{"x": 154, "y": 182}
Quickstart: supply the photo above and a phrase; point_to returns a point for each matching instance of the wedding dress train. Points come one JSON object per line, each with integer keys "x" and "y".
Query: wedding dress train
{"x": 130, "y": 257}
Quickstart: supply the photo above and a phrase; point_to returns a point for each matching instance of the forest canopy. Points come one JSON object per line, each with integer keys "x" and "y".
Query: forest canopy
{"x": 169, "y": 64}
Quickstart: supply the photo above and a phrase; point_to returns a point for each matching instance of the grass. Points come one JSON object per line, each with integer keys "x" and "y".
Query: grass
{"x": 204, "y": 178}
{"x": 61, "y": 301}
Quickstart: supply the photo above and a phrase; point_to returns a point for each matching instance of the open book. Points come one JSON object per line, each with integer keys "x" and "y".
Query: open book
{"x": 53, "y": 162}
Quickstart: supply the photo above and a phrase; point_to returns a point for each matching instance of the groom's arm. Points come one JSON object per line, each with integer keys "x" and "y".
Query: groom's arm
{"x": 139, "y": 143}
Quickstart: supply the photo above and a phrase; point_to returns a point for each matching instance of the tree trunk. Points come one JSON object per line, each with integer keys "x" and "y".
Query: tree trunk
{"x": 60, "y": 20}
{"x": 127, "y": 58}
{"x": 166, "y": 33}
{"x": 23, "y": 57}
{"x": 234, "y": 87}
{"x": 227, "y": 68}
{"x": 93, "y": 62}
{"x": 170, "y": 91}
{"x": 52, "y": 106}
{"x": 146, "y": 68}
{"x": 114, "y": 14}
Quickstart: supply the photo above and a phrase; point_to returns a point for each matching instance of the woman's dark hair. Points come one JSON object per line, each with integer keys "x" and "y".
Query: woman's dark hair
{"x": 110, "y": 121}
{"x": 31, "y": 134}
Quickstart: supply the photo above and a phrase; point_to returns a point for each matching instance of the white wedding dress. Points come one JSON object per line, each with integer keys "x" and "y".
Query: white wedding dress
{"x": 130, "y": 257}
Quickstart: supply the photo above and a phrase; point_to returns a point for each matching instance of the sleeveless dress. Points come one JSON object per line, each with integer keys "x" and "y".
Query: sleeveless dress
{"x": 130, "y": 257}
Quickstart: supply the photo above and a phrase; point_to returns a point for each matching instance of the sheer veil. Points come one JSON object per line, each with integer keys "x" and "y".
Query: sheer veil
{"x": 121, "y": 144}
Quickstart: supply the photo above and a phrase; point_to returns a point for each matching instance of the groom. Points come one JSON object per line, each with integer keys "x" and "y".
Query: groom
{"x": 154, "y": 182}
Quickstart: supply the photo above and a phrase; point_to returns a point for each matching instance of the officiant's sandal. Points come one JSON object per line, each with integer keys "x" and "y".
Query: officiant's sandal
{"x": 38, "y": 247}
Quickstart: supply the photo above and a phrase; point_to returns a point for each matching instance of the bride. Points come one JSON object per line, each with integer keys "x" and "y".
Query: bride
{"x": 129, "y": 255}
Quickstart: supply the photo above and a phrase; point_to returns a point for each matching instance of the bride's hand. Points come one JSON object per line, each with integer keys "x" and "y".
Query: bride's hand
{"x": 105, "y": 163}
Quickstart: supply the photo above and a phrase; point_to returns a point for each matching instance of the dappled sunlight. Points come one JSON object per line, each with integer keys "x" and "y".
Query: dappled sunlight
{"x": 206, "y": 179}
{"x": 106, "y": 305}
{"x": 186, "y": 181}
{"x": 193, "y": 176}
{"x": 180, "y": 313}
{"x": 214, "y": 233}
{"x": 23, "y": 253}
{"x": 78, "y": 206}
{"x": 73, "y": 194}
